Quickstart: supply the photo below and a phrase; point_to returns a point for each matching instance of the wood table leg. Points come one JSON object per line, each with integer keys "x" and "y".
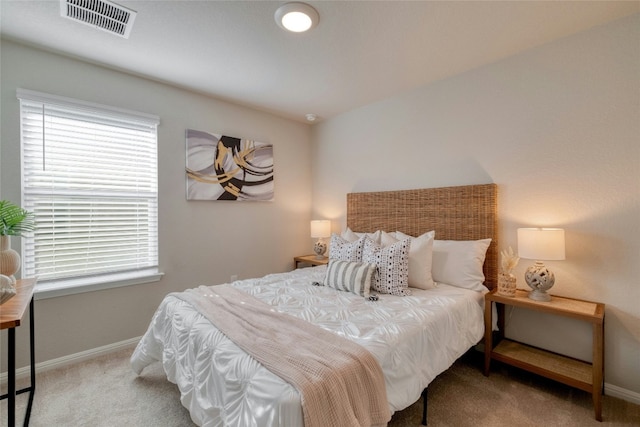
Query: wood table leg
{"x": 488, "y": 336}
{"x": 598, "y": 368}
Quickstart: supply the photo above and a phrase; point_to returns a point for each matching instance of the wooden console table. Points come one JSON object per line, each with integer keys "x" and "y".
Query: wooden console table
{"x": 11, "y": 314}
{"x": 583, "y": 375}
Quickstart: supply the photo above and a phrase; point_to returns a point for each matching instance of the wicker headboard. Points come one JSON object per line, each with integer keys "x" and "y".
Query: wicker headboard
{"x": 455, "y": 213}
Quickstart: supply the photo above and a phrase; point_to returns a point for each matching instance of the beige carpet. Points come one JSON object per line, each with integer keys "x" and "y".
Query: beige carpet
{"x": 105, "y": 392}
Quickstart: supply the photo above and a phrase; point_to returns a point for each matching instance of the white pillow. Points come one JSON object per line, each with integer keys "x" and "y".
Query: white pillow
{"x": 352, "y": 236}
{"x": 420, "y": 258}
{"x": 459, "y": 262}
{"x": 354, "y": 277}
{"x": 344, "y": 250}
{"x": 387, "y": 239}
{"x": 392, "y": 266}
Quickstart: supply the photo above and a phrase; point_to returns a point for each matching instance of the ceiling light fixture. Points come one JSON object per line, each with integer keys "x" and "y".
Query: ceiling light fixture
{"x": 310, "y": 117}
{"x": 296, "y": 17}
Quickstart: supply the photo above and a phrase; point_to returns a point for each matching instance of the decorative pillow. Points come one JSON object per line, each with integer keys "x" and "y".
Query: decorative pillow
{"x": 344, "y": 250}
{"x": 354, "y": 277}
{"x": 392, "y": 266}
{"x": 387, "y": 239}
{"x": 459, "y": 262}
{"x": 352, "y": 237}
{"x": 420, "y": 258}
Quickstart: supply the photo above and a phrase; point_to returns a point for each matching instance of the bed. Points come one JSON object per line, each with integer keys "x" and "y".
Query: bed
{"x": 414, "y": 338}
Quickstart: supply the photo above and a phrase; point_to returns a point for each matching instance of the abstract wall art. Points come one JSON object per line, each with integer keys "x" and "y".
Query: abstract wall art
{"x": 221, "y": 167}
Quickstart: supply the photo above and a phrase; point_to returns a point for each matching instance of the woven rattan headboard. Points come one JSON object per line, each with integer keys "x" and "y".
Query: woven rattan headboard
{"x": 455, "y": 213}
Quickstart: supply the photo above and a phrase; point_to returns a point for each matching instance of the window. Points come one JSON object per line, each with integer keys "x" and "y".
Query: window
{"x": 89, "y": 174}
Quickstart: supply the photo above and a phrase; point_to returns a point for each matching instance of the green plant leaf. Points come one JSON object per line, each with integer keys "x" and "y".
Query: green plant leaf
{"x": 15, "y": 221}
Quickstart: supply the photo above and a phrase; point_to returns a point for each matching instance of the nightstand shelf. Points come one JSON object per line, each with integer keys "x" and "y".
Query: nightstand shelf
{"x": 582, "y": 375}
{"x": 551, "y": 365}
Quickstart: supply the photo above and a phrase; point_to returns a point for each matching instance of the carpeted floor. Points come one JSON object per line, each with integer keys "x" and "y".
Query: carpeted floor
{"x": 105, "y": 392}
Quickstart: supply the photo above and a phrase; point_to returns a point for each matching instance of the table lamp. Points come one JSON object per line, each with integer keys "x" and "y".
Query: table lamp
{"x": 320, "y": 229}
{"x": 541, "y": 244}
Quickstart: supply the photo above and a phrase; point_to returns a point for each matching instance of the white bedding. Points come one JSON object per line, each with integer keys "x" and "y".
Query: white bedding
{"x": 414, "y": 338}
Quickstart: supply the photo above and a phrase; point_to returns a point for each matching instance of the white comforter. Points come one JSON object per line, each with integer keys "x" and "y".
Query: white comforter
{"x": 414, "y": 338}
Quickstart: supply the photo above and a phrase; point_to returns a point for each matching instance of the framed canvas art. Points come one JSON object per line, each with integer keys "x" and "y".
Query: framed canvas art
{"x": 221, "y": 167}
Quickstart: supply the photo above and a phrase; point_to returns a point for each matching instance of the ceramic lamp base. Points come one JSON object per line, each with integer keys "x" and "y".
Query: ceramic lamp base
{"x": 540, "y": 280}
{"x": 320, "y": 248}
{"x": 538, "y": 295}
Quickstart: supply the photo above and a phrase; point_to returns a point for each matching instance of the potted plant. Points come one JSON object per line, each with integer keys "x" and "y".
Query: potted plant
{"x": 14, "y": 221}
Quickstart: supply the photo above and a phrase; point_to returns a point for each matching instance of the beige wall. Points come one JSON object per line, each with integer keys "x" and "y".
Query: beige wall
{"x": 557, "y": 128}
{"x": 200, "y": 242}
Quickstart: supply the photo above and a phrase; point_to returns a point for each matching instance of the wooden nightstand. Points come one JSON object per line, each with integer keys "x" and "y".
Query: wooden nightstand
{"x": 310, "y": 259}
{"x": 583, "y": 375}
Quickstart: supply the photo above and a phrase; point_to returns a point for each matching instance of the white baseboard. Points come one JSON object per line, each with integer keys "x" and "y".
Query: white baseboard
{"x": 70, "y": 359}
{"x": 621, "y": 393}
{"x": 609, "y": 389}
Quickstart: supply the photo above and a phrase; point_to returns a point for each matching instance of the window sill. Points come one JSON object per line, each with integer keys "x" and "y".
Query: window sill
{"x": 91, "y": 284}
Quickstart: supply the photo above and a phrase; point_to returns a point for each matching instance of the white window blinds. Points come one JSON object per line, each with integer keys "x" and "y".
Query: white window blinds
{"x": 89, "y": 174}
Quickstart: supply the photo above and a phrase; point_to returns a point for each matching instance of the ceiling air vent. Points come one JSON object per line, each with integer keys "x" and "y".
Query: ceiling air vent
{"x": 101, "y": 14}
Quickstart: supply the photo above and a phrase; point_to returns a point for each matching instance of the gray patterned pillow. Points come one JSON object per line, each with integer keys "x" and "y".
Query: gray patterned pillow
{"x": 392, "y": 264}
{"x": 354, "y": 277}
{"x": 345, "y": 251}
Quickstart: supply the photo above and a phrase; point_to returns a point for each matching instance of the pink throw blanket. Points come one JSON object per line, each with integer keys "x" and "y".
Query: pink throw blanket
{"x": 339, "y": 381}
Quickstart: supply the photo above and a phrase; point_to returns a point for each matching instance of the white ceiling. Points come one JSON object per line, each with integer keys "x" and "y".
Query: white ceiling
{"x": 361, "y": 51}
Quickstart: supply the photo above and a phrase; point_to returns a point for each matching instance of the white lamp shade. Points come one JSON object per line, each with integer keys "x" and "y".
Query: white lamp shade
{"x": 321, "y": 228}
{"x": 544, "y": 244}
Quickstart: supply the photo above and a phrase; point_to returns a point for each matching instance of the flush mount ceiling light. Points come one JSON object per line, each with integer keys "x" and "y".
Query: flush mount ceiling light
{"x": 296, "y": 17}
